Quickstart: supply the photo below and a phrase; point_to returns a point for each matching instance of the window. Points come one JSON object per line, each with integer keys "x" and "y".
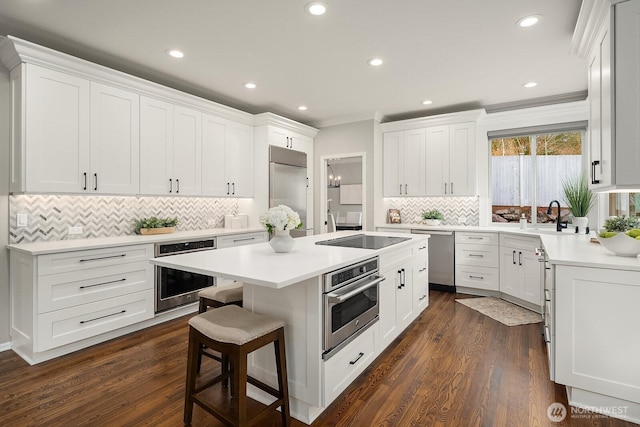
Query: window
{"x": 627, "y": 204}
{"x": 527, "y": 173}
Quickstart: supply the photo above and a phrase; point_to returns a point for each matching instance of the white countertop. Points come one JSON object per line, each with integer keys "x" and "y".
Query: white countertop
{"x": 566, "y": 248}
{"x": 259, "y": 265}
{"x": 41, "y": 248}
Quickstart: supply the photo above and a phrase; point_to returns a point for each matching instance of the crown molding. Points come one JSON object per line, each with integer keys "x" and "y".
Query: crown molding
{"x": 376, "y": 116}
{"x": 546, "y": 114}
{"x": 442, "y": 119}
{"x": 14, "y": 51}
{"x": 593, "y": 14}
{"x": 537, "y": 102}
{"x": 285, "y": 123}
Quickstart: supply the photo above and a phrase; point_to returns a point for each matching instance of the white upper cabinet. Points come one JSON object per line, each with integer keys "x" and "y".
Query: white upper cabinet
{"x": 404, "y": 163}
{"x": 170, "y": 149}
{"x": 56, "y": 131}
{"x": 431, "y": 156}
{"x": 227, "y": 158}
{"x": 79, "y": 136}
{"x": 608, "y": 36}
{"x": 115, "y": 140}
{"x": 285, "y": 138}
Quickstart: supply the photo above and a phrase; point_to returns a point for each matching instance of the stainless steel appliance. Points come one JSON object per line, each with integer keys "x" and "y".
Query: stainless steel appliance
{"x": 363, "y": 241}
{"x": 288, "y": 183}
{"x": 176, "y": 287}
{"x": 441, "y": 259}
{"x": 350, "y": 300}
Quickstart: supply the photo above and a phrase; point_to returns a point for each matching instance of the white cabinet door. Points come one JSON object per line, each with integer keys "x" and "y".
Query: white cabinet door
{"x": 509, "y": 271}
{"x": 387, "y": 300}
{"x": 437, "y": 161}
{"x": 57, "y": 131}
{"x": 413, "y": 162}
{"x": 462, "y": 159}
{"x": 391, "y": 164}
{"x": 239, "y": 159}
{"x": 531, "y": 272}
{"x": 187, "y": 151}
{"x": 115, "y": 140}
{"x": 279, "y": 137}
{"x": 404, "y": 297}
{"x": 156, "y": 147}
{"x": 213, "y": 156}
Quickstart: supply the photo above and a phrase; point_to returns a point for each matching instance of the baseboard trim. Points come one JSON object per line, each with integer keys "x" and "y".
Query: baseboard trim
{"x": 5, "y": 346}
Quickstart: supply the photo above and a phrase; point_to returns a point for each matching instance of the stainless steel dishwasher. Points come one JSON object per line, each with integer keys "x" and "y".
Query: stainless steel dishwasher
{"x": 441, "y": 259}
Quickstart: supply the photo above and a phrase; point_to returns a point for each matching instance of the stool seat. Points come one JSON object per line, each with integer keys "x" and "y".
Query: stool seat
{"x": 234, "y": 325}
{"x": 224, "y": 294}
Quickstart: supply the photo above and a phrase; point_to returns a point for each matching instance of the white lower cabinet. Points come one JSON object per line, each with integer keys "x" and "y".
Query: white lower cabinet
{"x": 521, "y": 272}
{"x": 596, "y": 336}
{"x": 344, "y": 367}
{"x": 477, "y": 261}
{"x": 64, "y": 298}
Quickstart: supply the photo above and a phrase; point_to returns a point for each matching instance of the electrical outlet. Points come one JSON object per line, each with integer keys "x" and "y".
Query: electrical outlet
{"x": 22, "y": 220}
{"x": 75, "y": 230}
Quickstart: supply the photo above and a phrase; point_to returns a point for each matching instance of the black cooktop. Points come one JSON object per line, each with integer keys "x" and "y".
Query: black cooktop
{"x": 364, "y": 241}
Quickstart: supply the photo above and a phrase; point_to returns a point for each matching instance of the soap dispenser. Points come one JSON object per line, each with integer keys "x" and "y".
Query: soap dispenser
{"x": 523, "y": 221}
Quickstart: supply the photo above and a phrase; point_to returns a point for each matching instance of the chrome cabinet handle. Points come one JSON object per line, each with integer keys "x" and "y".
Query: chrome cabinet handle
{"x": 243, "y": 240}
{"x": 405, "y": 189}
{"x": 103, "y": 257}
{"x": 403, "y": 275}
{"x": 102, "y": 317}
{"x": 422, "y": 247}
{"x": 422, "y": 297}
{"x": 422, "y": 269}
{"x": 451, "y": 188}
{"x": 475, "y": 238}
{"x": 400, "y": 188}
{"x": 445, "y": 188}
{"x": 476, "y": 277}
{"x": 95, "y": 181}
{"x": 170, "y": 185}
{"x": 353, "y": 362}
{"x": 103, "y": 283}
{"x": 477, "y": 255}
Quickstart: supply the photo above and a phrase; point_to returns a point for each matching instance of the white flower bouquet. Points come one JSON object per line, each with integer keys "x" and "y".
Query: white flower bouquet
{"x": 280, "y": 218}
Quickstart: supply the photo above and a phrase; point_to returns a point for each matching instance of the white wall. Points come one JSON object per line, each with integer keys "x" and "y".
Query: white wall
{"x": 4, "y": 205}
{"x": 344, "y": 139}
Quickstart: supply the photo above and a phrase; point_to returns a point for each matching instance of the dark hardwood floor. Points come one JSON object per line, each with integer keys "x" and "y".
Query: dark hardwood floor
{"x": 452, "y": 367}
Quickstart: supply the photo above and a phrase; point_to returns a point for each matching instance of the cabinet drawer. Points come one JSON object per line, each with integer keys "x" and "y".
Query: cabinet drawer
{"x": 83, "y": 260}
{"x": 478, "y": 255}
{"x": 519, "y": 242}
{"x": 391, "y": 259}
{"x": 73, "y": 324}
{"x": 477, "y": 238}
{"x": 422, "y": 252}
{"x": 478, "y": 277}
{"x": 241, "y": 239}
{"x": 58, "y": 291}
{"x": 347, "y": 364}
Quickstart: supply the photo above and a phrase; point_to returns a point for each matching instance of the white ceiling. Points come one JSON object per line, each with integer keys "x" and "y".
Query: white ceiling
{"x": 461, "y": 54}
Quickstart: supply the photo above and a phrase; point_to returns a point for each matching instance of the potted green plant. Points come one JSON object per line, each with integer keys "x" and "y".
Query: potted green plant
{"x": 621, "y": 235}
{"x": 580, "y": 199}
{"x": 432, "y": 217}
{"x": 155, "y": 225}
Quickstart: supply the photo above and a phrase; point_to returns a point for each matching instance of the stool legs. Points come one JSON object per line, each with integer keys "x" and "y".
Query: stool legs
{"x": 283, "y": 383}
{"x": 192, "y": 361}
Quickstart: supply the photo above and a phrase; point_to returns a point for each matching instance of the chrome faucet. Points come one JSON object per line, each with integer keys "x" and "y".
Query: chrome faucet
{"x": 559, "y": 224}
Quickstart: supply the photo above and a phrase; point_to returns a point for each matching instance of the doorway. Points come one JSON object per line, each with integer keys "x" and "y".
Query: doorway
{"x": 343, "y": 190}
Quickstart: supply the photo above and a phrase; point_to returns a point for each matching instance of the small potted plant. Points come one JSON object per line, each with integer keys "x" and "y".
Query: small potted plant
{"x": 580, "y": 200}
{"x": 621, "y": 235}
{"x": 155, "y": 225}
{"x": 433, "y": 217}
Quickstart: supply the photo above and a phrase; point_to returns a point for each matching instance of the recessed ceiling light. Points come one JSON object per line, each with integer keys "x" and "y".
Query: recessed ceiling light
{"x": 427, "y": 102}
{"x": 375, "y": 62}
{"x": 316, "y": 8}
{"x": 302, "y": 108}
{"x": 250, "y": 85}
{"x": 529, "y": 21}
{"x": 175, "y": 53}
{"x": 530, "y": 85}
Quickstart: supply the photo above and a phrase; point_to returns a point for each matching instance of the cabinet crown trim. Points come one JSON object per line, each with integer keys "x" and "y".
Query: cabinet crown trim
{"x": 14, "y": 51}
{"x": 285, "y": 123}
{"x": 592, "y": 15}
{"x": 442, "y": 119}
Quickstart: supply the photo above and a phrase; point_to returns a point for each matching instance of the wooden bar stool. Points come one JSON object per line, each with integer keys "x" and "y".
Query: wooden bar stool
{"x": 218, "y": 296}
{"x": 236, "y": 332}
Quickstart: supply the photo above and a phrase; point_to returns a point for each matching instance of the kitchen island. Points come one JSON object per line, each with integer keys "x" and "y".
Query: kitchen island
{"x": 290, "y": 287}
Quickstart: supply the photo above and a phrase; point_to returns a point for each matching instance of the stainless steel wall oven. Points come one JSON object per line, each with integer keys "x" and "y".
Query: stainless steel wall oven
{"x": 350, "y": 300}
{"x": 176, "y": 287}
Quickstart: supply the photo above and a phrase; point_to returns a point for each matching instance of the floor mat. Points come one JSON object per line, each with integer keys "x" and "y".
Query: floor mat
{"x": 504, "y": 312}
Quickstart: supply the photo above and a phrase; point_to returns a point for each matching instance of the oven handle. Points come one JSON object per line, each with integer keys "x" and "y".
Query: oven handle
{"x": 334, "y": 297}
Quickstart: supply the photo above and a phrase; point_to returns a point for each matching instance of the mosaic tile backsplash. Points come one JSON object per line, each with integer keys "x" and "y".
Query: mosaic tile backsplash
{"x": 453, "y": 208}
{"x": 50, "y": 216}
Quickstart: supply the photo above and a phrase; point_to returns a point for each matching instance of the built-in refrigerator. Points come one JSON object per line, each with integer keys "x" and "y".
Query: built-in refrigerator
{"x": 288, "y": 183}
